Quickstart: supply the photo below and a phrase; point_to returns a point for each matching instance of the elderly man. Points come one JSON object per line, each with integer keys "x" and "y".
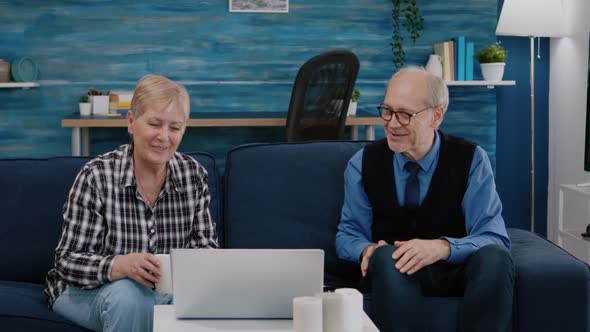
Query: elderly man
{"x": 422, "y": 216}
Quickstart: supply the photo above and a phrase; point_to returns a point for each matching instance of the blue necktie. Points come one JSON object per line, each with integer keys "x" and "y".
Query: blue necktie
{"x": 412, "y": 186}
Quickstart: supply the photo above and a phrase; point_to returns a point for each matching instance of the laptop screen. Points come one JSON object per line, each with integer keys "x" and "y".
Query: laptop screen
{"x": 243, "y": 283}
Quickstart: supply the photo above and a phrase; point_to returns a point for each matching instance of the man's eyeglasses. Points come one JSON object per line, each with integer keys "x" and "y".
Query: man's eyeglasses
{"x": 403, "y": 118}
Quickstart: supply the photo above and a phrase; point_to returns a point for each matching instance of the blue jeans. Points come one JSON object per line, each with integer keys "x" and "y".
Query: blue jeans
{"x": 122, "y": 305}
{"x": 485, "y": 282}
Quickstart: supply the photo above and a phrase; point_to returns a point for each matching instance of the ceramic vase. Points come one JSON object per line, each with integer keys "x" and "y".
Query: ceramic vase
{"x": 434, "y": 65}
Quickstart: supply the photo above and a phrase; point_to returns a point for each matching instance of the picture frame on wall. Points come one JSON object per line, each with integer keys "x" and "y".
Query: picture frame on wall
{"x": 259, "y": 6}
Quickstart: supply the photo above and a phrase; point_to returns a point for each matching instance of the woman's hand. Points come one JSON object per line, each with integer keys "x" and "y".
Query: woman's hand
{"x": 141, "y": 267}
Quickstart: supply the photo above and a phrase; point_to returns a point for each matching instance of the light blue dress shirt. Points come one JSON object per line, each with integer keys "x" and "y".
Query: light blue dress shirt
{"x": 481, "y": 205}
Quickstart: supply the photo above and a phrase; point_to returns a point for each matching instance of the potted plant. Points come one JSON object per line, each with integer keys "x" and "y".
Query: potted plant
{"x": 99, "y": 100}
{"x": 492, "y": 60}
{"x": 84, "y": 104}
{"x": 356, "y": 94}
{"x": 406, "y": 15}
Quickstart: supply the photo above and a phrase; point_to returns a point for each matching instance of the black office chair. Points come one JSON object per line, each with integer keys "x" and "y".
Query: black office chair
{"x": 320, "y": 97}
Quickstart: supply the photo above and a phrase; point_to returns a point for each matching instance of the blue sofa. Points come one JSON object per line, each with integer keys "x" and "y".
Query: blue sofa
{"x": 273, "y": 196}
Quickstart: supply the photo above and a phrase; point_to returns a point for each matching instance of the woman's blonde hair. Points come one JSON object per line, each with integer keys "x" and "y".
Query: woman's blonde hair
{"x": 158, "y": 92}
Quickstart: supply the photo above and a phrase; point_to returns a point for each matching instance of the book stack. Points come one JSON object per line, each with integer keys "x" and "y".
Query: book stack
{"x": 123, "y": 100}
{"x": 457, "y": 58}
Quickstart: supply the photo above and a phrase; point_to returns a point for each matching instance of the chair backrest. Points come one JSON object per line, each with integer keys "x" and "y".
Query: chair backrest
{"x": 320, "y": 97}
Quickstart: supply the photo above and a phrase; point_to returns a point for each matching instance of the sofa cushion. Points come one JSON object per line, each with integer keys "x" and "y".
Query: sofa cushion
{"x": 545, "y": 275}
{"x": 289, "y": 195}
{"x": 31, "y": 201}
{"x": 22, "y": 304}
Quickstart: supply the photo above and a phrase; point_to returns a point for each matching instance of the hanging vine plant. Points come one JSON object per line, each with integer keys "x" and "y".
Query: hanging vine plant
{"x": 406, "y": 16}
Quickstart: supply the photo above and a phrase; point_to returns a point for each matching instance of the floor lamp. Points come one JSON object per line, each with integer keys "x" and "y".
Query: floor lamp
{"x": 531, "y": 18}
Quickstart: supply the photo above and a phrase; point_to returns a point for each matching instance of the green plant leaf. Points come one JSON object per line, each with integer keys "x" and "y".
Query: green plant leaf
{"x": 406, "y": 20}
{"x": 491, "y": 53}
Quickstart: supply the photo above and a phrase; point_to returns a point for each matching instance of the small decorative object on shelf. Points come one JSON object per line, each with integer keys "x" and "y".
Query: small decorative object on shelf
{"x": 4, "y": 71}
{"x": 19, "y": 74}
{"x": 24, "y": 70}
{"x": 356, "y": 94}
{"x": 434, "y": 65}
{"x": 113, "y": 103}
{"x": 85, "y": 105}
{"x": 100, "y": 102}
{"x": 492, "y": 60}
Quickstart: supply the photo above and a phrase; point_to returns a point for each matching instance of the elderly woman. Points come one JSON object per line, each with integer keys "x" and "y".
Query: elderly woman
{"x": 141, "y": 199}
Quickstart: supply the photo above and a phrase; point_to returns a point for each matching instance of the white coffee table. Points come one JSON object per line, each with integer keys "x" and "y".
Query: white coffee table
{"x": 165, "y": 321}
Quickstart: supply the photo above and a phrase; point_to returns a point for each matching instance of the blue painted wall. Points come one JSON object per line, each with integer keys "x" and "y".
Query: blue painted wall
{"x": 247, "y": 62}
{"x": 513, "y": 134}
{"x": 109, "y": 46}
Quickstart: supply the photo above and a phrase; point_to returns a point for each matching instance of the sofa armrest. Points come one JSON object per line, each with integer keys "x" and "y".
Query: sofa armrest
{"x": 552, "y": 287}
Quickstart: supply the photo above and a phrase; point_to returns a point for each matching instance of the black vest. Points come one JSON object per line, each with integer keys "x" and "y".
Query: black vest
{"x": 440, "y": 213}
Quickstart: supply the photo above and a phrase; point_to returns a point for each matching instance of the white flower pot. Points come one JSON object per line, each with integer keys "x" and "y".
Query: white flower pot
{"x": 85, "y": 108}
{"x": 492, "y": 71}
{"x": 352, "y": 108}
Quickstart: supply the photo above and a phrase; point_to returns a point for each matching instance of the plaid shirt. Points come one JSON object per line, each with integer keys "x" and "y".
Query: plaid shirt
{"x": 104, "y": 216}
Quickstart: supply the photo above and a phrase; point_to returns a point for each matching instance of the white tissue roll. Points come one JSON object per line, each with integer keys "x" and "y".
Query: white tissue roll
{"x": 353, "y": 304}
{"x": 342, "y": 311}
{"x": 307, "y": 314}
{"x": 333, "y": 311}
{"x": 165, "y": 284}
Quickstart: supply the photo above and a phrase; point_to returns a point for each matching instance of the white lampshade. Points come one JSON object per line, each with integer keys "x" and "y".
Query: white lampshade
{"x": 539, "y": 18}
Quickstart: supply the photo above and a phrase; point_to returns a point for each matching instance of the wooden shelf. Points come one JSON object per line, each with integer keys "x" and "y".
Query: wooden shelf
{"x": 216, "y": 119}
{"x": 489, "y": 84}
{"x": 23, "y": 85}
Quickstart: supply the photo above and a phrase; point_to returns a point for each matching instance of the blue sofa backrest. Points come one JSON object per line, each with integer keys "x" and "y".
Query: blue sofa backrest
{"x": 214, "y": 181}
{"x": 289, "y": 195}
{"x": 31, "y": 201}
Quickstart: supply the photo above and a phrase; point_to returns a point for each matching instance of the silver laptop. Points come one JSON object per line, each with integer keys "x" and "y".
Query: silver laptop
{"x": 243, "y": 283}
